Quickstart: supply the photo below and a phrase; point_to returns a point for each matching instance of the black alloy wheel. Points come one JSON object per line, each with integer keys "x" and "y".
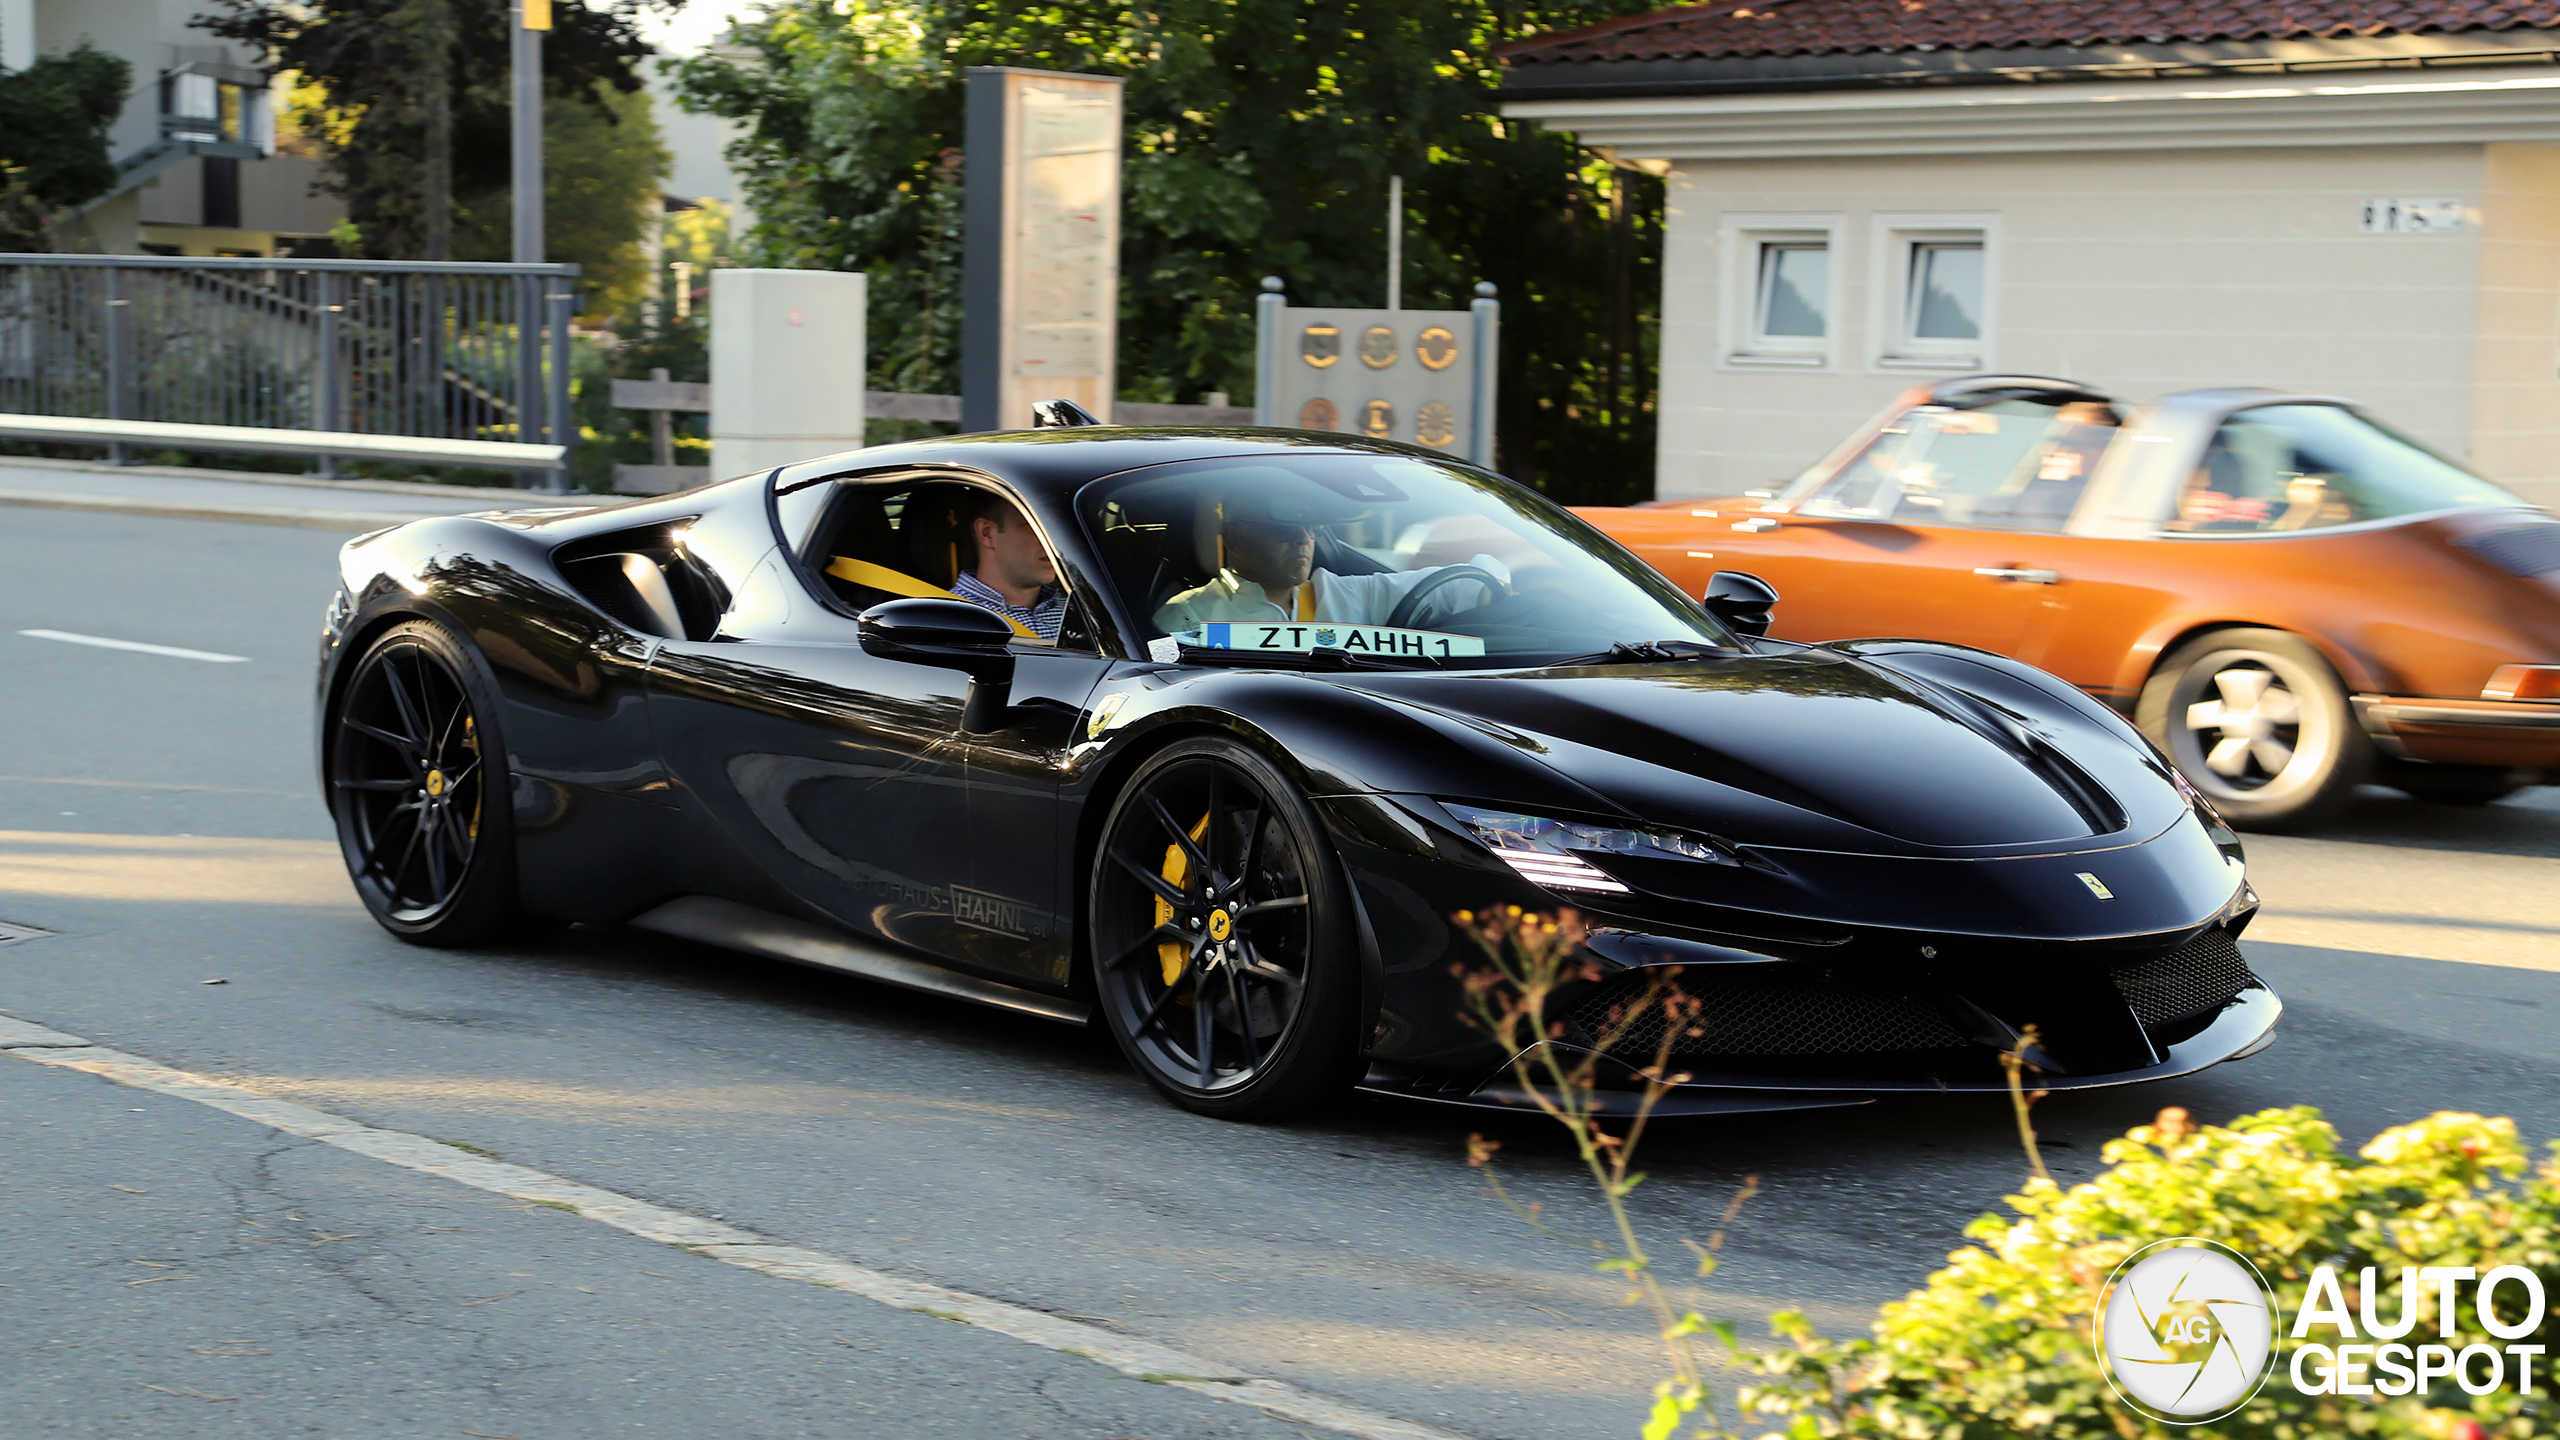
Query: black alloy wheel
{"x": 417, "y": 781}
{"x": 2259, "y": 722}
{"x": 1222, "y": 949}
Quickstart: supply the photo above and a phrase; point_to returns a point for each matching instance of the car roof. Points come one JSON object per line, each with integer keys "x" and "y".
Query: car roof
{"x": 1053, "y": 464}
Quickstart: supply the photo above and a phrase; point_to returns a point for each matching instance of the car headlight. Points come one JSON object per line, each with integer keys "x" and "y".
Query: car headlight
{"x": 1549, "y": 851}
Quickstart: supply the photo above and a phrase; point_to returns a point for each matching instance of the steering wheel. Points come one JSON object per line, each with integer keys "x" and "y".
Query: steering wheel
{"x": 1411, "y": 605}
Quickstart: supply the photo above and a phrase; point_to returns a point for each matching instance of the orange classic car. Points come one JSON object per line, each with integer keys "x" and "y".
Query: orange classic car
{"x": 2286, "y": 595}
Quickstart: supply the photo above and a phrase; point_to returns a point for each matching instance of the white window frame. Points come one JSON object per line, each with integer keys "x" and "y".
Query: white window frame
{"x": 1889, "y": 293}
{"x": 1744, "y": 238}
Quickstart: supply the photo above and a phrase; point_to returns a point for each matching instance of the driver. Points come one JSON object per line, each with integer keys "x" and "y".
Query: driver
{"x": 1269, "y": 545}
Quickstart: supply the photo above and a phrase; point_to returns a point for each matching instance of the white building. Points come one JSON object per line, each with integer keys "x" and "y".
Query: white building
{"x": 1866, "y": 193}
{"x": 196, "y": 144}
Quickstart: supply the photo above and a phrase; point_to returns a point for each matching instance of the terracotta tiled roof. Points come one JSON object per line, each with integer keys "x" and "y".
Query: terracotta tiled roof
{"x": 1754, "y": 28}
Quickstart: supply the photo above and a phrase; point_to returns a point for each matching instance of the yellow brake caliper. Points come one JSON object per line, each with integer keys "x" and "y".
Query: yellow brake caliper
{"x": 1177, "y": 868}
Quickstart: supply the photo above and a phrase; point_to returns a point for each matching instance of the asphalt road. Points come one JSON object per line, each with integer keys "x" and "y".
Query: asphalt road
{"x": 159, "y": 815}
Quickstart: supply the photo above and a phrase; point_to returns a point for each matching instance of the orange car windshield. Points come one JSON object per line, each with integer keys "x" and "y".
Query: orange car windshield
{"x": 2017, "y": 464}
{"x": 2275, "y": 468}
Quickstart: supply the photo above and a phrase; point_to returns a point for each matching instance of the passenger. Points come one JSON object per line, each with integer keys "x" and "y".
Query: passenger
{"x": 1014, "y": 575}
{"x": 1270, "y": 574}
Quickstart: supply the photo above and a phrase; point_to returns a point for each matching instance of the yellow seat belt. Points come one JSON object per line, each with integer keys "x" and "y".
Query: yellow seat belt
{"x": 1307, "y": 598}
{"x": 881, "y": 577}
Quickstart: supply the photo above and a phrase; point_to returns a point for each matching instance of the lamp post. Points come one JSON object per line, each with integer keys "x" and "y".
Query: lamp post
{"x": 532, "y": 17}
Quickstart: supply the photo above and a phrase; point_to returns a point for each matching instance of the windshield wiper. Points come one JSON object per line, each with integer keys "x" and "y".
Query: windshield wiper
{"x": 1646, "y": 652}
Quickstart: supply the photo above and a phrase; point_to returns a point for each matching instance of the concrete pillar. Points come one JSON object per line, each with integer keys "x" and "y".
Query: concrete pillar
{"x": 786, "y": 366}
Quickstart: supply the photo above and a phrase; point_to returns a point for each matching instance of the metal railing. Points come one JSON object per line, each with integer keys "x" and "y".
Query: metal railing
{"x": 431, "y": 352}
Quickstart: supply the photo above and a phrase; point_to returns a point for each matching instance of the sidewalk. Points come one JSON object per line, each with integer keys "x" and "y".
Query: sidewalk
{"x": 258, "y": 499}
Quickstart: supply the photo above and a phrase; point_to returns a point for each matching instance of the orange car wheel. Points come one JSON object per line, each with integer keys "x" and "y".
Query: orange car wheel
{"x": 2258, "y": 721}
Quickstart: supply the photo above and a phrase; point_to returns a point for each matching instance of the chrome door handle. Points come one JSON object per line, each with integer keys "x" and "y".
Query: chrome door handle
{"x": 2031, "y": 577}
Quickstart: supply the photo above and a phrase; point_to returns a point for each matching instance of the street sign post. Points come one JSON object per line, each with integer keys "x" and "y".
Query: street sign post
{"x": 1421, "y": 376}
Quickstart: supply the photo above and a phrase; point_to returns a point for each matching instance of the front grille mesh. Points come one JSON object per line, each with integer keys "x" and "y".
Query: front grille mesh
{"x": 1793, "y": 1014}
{"x": 2518, "y": 549}
{"x": 2199, "y": 976}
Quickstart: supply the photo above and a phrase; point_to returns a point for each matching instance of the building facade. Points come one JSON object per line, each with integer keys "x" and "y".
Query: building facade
{"x": 200, "y": 169}
{"x": 2146, "y": 197}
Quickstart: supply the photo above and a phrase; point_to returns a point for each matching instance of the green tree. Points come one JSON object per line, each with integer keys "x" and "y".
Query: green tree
{"x": 418, "y": 103}
{"x": 603, "y": 164}
{"x": 1260, "y": 135}
{"x": 54, "y": 116}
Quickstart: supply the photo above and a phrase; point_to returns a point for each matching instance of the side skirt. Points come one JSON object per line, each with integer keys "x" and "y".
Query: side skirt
{"x": 734, "y": 926}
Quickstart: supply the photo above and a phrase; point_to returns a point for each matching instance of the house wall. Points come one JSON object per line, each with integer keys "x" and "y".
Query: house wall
{"x": 2143, "y": 272}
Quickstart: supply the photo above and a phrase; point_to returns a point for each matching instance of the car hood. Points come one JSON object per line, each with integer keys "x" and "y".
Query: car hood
{"x": 1821, "y": 750}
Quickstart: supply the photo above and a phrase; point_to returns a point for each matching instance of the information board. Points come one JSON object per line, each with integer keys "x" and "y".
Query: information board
{"x": 1042, "y": 253}
{"x": 1421, "y": 376}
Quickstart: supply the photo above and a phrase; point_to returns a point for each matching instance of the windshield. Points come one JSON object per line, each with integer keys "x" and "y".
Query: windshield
{"x": 2016, "y": 464}
{"x": 2274, "y": 468}
{"x": 1398, "y": 558}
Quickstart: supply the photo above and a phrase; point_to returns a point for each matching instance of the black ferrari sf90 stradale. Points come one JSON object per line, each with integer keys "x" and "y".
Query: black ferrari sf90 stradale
{"x": 1260, "y": 712}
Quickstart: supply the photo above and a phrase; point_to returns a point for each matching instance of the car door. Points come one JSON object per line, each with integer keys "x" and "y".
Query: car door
{"x": 845, "y": 778}
{"x": 1943, "y": 528}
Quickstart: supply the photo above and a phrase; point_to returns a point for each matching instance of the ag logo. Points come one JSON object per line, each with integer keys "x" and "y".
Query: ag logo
{"x": 2186, "y": 1331}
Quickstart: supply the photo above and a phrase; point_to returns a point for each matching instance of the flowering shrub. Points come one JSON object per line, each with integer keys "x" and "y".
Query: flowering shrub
{"x": 1998, "y": 1343}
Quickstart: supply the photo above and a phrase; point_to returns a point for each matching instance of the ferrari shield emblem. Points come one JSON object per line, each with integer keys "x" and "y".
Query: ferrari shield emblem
{"x": 2096, "y": 886}
{"x": 1320, "y": 345}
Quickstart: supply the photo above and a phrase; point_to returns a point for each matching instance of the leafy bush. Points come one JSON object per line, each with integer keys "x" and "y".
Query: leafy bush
{"x": 1998, "y": 1343}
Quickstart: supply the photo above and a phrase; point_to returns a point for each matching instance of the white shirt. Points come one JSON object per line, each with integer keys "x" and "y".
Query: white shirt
{"x": 1343, "y": 599}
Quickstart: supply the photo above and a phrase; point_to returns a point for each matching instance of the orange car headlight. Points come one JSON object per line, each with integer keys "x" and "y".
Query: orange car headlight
{"x": 2523, "y": 682}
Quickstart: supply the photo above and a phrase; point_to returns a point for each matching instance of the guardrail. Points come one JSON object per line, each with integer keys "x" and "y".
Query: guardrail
{"x": 439, "y": 363}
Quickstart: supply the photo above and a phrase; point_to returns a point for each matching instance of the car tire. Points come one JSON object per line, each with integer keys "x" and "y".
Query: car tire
{"x": 2453, "y": 784}
{"x": 1225, "y": 961}
{"x": 418, "y": 784}
{"x": 2259, "y": 722}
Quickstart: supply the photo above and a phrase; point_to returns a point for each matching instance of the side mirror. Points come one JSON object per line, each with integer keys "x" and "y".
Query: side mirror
{"x": 955, "y": 635}
{"x": 1741, "y": 600}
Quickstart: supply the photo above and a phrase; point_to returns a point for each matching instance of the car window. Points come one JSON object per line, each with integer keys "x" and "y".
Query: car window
{"x": 2015, "y": 464}
{"x": 1373, "y": 552}
{"x": 2275, "y": 468}
{"x": 884, "y": 540}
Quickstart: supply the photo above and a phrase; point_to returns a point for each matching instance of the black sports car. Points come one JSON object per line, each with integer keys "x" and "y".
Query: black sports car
{"x": 1254, "y": 717}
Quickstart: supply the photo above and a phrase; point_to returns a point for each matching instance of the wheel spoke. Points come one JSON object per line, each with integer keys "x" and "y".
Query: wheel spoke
{"x": 1180, "y": 836}
{"x": 411, "y": 717}
{"x": 1204, "y": 1029}
{"x": 435, "y": 868}
{"x": 1244, "y": 1021}
{"x": 1252, "y": 848}
{"x": 1155, "y": 1012}
{"x": 2205, "y": 715}
{"x": 2272, "y": 755}
{"x": 1146, "y": 945}
{"x": 2230, "y": 757}
{"x": 401, "y": 743}
{"x": 1257, "y": 968}
{"x": 1164, "y": 889}
{"x": 2241, "y": 688}
{"x": 392, "y": 876}
{"x": 2280, "y": 706}
{"x": 1259, "y": 907}
{"x": 393, "y": 785}
{"x": 1217, "y": 820}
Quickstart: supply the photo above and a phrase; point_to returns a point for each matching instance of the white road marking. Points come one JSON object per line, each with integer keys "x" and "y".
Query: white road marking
{"x": 103, "y": 643}
{"x": 1139, "y": 1359}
